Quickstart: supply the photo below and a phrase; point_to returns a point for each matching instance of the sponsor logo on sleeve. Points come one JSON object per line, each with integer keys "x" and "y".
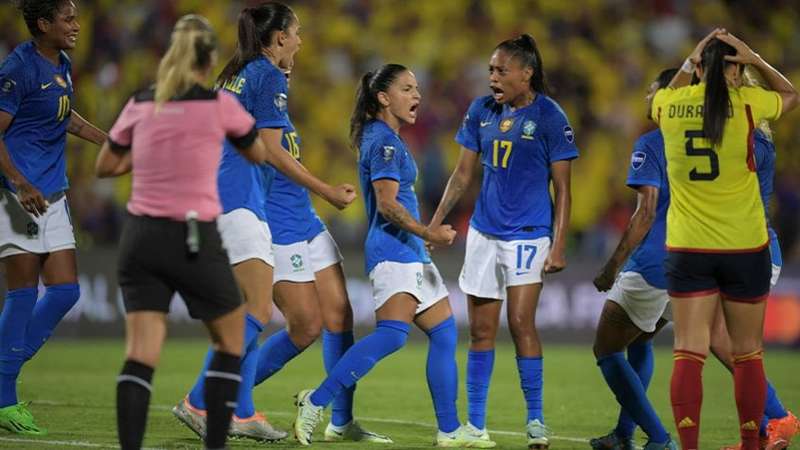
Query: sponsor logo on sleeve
{"x": 388, "y": 152}
{"x": 281, "y": 100}
{"x": 637, "y": 160}
{"x": 569, "y": 135}
{"x": 7, "y": 85}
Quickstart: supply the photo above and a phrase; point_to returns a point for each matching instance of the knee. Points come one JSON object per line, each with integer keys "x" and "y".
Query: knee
{"x": 522, "y": 327}
{"x": 482, "y": 335}
{"x": 394, "y": 334}
{"x": 68, "y": 294}
{"x": 304, "y": 333}
{"x": 444, "y": 335}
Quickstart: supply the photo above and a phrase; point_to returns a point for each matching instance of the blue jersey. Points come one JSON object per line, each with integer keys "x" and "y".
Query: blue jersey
{"x": 290, "y": 215}
{"x": 649, "y": 168}
{"x": 383, "y": 155}
{"x": 38, "y": 95}
{"x": 241, "y": 183}
{"x": 516, "y": 148}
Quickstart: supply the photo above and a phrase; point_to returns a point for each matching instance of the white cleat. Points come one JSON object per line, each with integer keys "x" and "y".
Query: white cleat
{"x": 256, "y": 428}
{"x": 353, "y": 431}
{"x": 190, "y": 416}
{"x": 538, "y": 435}
{"x": 466, "y": 436}
{"x": 308, "y": 417}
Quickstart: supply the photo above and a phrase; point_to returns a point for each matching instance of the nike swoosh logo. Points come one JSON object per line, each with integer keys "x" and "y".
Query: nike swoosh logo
{"x": 522, "y": 273}
{"x": 17, "y": 349}
{"x": 45, "y": 86}
{"x": 338, "y": 433}
{"x": 354, "y": 374}
{"x": 483, "y": 124}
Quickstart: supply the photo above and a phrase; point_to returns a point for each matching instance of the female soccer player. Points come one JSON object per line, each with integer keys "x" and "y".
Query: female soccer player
{"x": 268, "y": 40}
{"x": 523, "y": 139}
{"x": 171, "y": 134}
{"x": 406, "y": 285}
{"x": 717, "y": 241}
{"x": 36, "y": 238}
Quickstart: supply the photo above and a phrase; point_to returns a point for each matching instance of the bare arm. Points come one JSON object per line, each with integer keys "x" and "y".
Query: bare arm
{"x": 684, "y": 77}
{"x": 111, "y": 163}
{"x": 457, "y": 185}
{"x": 386, "y": 198}
{"x": 638, "y": 227}
{"x": 31, "y": 199}
{"x": 339, "y": 196}
{"x": 560, "y": 172}
{"x": 78, "y": 126}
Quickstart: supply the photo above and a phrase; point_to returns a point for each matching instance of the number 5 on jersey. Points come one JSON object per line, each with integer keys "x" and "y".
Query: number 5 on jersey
{"x": 498, "y": 146}
{"x": 63, "y": 108}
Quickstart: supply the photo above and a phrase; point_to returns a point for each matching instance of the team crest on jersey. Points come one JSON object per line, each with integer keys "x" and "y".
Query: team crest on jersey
{"x": 637, "y": 160}
{"x": 297, "y": 262}
{"x": 32, "y": 230}
{"x": 60, "y": 81}
{"x": 388, "y": 153}
{"x": 506, "y": 124}
{"x": 281, "y": 100}
{"x": 569, "y": 135}
{"x": 528, "y": 128}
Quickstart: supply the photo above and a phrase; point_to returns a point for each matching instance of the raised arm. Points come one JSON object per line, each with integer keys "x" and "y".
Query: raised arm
{"x": 457, "y": 185}
{"x": 560, "y": 172}
{"x": 684, "y": 76}
{"x": 386, "y": 198}
{"x": 638, "y": 227}
{"x": 78, "y": 126}
{"x": 31, "y": 199}
{"x": 339, "y": 196}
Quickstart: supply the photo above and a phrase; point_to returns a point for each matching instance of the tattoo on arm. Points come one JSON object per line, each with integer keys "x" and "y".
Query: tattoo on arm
{"x": 399, "y": 215}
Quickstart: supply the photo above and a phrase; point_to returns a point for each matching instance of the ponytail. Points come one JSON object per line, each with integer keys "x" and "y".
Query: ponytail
{"x": 367, "y": 104}
{"x": 192, "y": 48}
{"x": 717, "y": 102}
{"x": 256, "y": 28}
{"x": 525, "y": 50}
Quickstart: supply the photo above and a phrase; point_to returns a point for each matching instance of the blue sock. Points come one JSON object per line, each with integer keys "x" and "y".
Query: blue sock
{"x": 334, "y": 345}
{"x": 774, "y": 408}
{"x": 531, "y": 381}
{"x": 17, "y": 312}
{"x": 245, "y": 407}
{"x": 640, "y": 357}
{"x": 197, "y": 394}
{"x": 388, "y": 337}
{"x": 479, "y": 375}
{"x": 630, "y": 394}
{"x": 58, "y": 299}
{"x": 442, "y": 373}
{"x": 274, "y": 353}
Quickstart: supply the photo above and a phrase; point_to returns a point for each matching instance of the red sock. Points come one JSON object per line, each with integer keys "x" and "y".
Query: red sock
{"x": 750, "y": 385}
{"x": 686, "y": 392}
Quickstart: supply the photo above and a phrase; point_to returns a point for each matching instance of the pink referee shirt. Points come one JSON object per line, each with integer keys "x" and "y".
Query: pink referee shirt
{"x": 177, "y": 150}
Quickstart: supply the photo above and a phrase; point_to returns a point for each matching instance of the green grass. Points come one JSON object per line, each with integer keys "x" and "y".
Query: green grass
{"x": 71, "y": 384}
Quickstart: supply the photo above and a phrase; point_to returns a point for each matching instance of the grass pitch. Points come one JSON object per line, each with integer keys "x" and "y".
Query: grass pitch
{"x": 71, "y": 385}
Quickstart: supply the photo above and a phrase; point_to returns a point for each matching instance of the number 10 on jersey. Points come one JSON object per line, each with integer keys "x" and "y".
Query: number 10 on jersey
{"x": 501, "y": 146}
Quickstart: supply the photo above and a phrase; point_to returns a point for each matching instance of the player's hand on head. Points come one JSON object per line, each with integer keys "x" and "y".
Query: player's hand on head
{"x": 440, "y": 235}
{"x": 342, "y": 196}
{"x": 744, "y": 54}
{"x": 31, "y": 199}
{"x": 696, "y": 55}
{"x": 604, "y": 280}
{"x": 555, "y": 262}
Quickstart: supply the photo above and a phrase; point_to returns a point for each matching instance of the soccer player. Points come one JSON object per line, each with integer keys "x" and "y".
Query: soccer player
{"x": 36, "y": 237}
{"x": 171, "y": 135}
{"x": 717, "y": 241}
{"x": 523, "y": 140}
{"x": 406, "y": 285}
{"x": 268, "y": 40}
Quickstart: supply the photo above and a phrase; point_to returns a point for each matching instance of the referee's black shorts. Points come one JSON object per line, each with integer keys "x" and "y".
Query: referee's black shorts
{"x": 738, "y": 277}
{"x": 154, "y": 263}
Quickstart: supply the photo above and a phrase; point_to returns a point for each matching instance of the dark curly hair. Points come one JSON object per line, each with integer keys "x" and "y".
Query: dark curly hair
{"x": 33, "y": 10}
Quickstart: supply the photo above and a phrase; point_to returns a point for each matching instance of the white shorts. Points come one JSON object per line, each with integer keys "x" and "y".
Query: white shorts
{"x": 245, "y": 237}
{"x": 776, "y": 273}
{"x": 423, "y": 281}
{"x": 299, "y": 262}
{"x": 643, "y": 303}
{"x": 21, "y": 232}
{"x": 492, "y": 265}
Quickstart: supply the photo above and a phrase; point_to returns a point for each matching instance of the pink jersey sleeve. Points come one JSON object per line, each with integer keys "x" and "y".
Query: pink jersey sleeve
{"x": 121, "y": 134}
{"x": 236, "y": 121}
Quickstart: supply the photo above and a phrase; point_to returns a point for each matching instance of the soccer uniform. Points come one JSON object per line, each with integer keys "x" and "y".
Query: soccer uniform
{"x": 716, "y": 229}
{"x": 396, "y": 260}
{"x": 510, "y": 230}
{"x": 176, "y": 155}
{"x": 302, "y": 244}
{"x": 38, "y": 95}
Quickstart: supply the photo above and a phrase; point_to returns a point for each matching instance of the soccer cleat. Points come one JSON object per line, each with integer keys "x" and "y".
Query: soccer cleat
{"x": 783, "y": 429}
{"x": 18, "y": 419}
{"x": 763, "y": 444}
{"x": 257, "y": 428}
{"x": 465, "y": 436}
{"x": 193, "y": 418}
{"x": 611, "y": 442}
{"x": 353, "y": 431}
{"x": 308, "y": 417}
{"x": 538, "y": 435}
{"x": 669, "y": 445}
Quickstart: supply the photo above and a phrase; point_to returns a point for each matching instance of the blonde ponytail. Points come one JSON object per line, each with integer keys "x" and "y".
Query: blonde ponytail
{"x": 192, "y": 49}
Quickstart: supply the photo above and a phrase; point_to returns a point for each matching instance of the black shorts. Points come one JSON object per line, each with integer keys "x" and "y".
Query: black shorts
{"x": 739, "y": 277}
{"x": 154, "y": 263}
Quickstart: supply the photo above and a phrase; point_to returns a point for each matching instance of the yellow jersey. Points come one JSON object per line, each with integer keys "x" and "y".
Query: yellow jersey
{"x": 715, "y": 204}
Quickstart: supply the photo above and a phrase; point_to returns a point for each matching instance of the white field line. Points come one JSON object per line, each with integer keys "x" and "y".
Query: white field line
{"x": 80, "y": 444}
{"x": 273, "y": 413}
